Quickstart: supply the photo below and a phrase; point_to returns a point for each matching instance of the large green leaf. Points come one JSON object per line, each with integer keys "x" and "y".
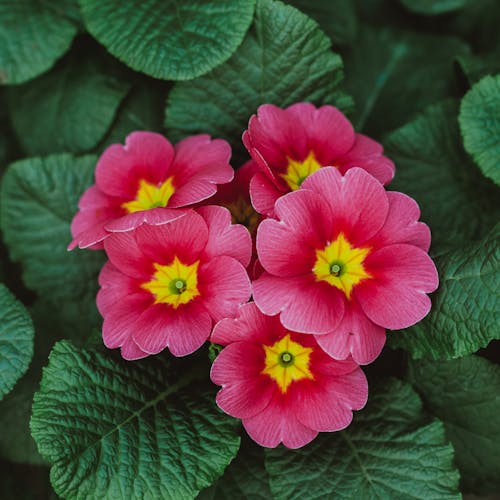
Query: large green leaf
{"x": 465, "y": 394}
{"x": 69, "y": 109}
{"x": 432, "y": 7}
{"x": 170, "y": 39}
{"x": 115, "y": 429}
{"x": 38, "y": 200}
{"x": 336, "y": 17}
{"x": 245, "y": 477}
{"x": 394, "y": 73}
{"x": 433, "y": 168}
{"x": 390, "y": 451}
{"x": 33, "y": 35}
{"x": 284, "y": 59}
{"x": 16, "y": 340}
{"x": 474, "y": 66}
{"x": 480, "y": 125}
{"x": 466, "y": 308}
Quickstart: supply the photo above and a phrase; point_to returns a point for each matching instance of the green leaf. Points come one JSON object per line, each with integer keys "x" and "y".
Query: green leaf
{"x": 433, "y": 7}
{"x": 390, "y": 451}
{"x": 39, "y": 197}
{"x": 336, "y": 17}
{"x": 142, "y": 109}
{"x": 245, "y": 477}
{"x": 474, "y": 66}
{"x": 392, "y": 74}
{"x": 16, "y": 340}
{"x": 465, "y": 394}
{"x": 466, "y": 307}
{"x": 33, "y": 35}
{"x": 284, "y": 59}
{"x": 69, "y": 109}
{"x": 480, "y": 125}
{"x": 169, "y": 39}
{"x": 115, "y": 429}
{"x": 433, "y": 168}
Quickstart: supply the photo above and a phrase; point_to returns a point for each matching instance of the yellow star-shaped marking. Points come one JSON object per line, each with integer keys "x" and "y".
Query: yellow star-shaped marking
{"x": 150, "y": 196}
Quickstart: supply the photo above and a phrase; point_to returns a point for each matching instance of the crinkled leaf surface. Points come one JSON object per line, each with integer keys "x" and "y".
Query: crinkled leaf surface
{"x": 390, "y": 451}
{"x": 433, "y": 7}
{"x": 433, "y": 168}
{"x": 33, "y": 35}
{"x": 115, "y": 429}
{"x": 39, "y": 198}
{"x": 169, "y": 39}
{"x": 465, "y": 394}
{"x": 336, "y": 17}
{"x": 466, "y": 307}
{"x": 284, "y": 59}
{"x": 480, "y": 125}
{"x": 69, "y": 109}
{"x": 393, "y": 73}
{"x": 245, "y": 477}
{"x": 16, "y": 340}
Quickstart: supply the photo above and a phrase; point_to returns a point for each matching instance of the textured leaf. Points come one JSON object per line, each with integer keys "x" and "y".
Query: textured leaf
{"x": 433, "y": 7}
{"x": 33, "y": 35}
{"x": 39, "y": 198}
{"x": 392, "y": 74}
{"x": 466, "y": 308}
{"x": 389, "y": 451}
{"x": 113, "y": 429}
{"x": 16, "y": 340}
{"x": 433, "y": 168}
{"x": 245, "y": 477}
{"x": 336, "y": 17}
{"x": 284, "y": 59}
{"x": 170, "y": 39}
{"x": 69, "y": 109}
{"x": 465, "y": 394}
{"x": 480, "y": 125}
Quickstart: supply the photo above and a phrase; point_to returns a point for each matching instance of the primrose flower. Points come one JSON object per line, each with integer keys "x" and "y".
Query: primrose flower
{"x": 235, "y": 197}
{"x": 344, "y": 260}
{"x": 166, "y": 285}
{"x": 282, "y": 385}
{"x": 290, "y": 144}
{"x": 148, "y": 173}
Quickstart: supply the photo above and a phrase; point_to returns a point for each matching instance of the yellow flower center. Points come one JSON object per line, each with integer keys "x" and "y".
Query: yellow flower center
{"x": 341, "y": 265}
{"x": 287, "y": 361}
{"x": 150, "y": 196}
{"x": 298, "y": 171}
{"x": 242, "y": 212}
{"x": 174, "y": 284}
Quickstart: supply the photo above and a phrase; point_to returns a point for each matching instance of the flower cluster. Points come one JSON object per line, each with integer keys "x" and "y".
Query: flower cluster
{"x": 306, "y": 227}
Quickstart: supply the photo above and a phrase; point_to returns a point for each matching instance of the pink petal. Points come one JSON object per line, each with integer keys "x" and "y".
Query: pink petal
{"x": 250, "y": 325}
{"x": 358, "y": 202}
{"x": 356, "y": 335}
{"x": 115, "y": 286}
{"x": 124, "y": 253}
{"x": 264, "y": 193}
{"x": 277, "y": 424}
{"x": 401, "y": 225}
{"x": 306, "y": 305}
{"x": 119, "y": 322}
{"x": 153, "y": 217}
{"x": 225, "y": 238}
{"x": 396, "y": 297}
{"x": 224, "y": 286}
{"x": 131, "y": 352}
{"x": 146, "y": 155}
{"x": 329, "y": 133}
{"x": 184, "y": 237}
{"x": 367, "y": 154}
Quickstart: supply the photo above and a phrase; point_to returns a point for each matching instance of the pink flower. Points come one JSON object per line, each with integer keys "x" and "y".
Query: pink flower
{"x": 344, "y": 260}
{"x": 235, "y": 197}
{"x": 282, "y": 385}
{"x": 148, "y": 172}
{"x": 166, "y": 285}
{"x": 290, "y": 144}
